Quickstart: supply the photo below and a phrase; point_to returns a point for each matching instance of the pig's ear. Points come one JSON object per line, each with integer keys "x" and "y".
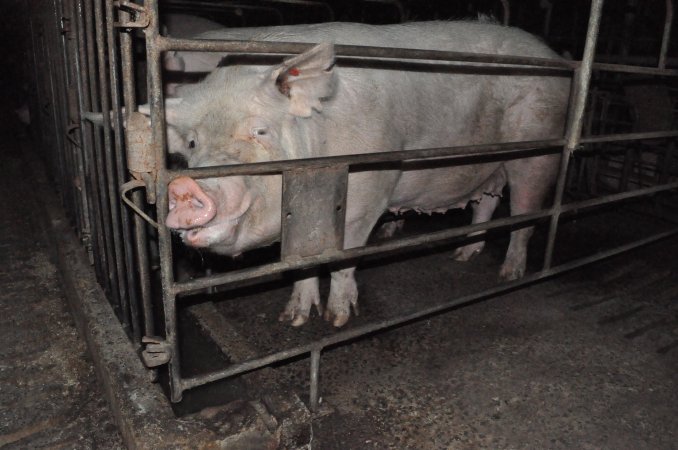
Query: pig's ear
{"x": 172, "y": 108}
{"x": 306, "y": 79}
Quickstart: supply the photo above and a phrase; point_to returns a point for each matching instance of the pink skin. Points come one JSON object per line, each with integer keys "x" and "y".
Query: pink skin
{"x": 200, "y": 217}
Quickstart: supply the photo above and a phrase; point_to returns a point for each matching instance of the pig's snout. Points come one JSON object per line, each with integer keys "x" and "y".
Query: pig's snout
{"x": 189, "y": 205}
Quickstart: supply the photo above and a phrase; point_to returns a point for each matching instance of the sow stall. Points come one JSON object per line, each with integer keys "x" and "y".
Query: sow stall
{"x": 89, "y": 59}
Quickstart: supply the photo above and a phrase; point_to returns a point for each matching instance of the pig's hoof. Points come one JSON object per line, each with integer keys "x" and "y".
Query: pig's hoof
{"x": 299, "y": 320}
{"x": 511, "y": 273}
{"x": 338, "y": 320}
{"x": 468, "y": 252}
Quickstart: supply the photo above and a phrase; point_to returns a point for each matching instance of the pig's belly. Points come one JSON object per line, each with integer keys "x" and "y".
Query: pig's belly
{"x": 440, "y": 189}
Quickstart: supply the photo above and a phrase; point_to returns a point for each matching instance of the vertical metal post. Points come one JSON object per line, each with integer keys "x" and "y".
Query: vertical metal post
{"x": 140, "y": 232}
{"x": 315, "y": 370}
{"x": 75, "y": 87}
{"x": 668, "y": 22}
{"x": 124, "y": 220}
{"x": 582, "y": 78}
{"x": 153, "y": 58}
{"x": 96, "y": 168}
{"x": 119, "y": 288}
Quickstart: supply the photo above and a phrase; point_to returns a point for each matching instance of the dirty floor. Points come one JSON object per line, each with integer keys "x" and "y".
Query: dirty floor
{"x": 49, "y": 396}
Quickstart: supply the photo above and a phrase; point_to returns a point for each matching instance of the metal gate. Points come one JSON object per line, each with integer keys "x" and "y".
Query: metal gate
{"x": 87, "y": 58}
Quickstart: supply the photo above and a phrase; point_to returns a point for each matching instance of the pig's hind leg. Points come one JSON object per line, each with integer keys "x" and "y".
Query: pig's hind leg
{"x": 482, "y": 212}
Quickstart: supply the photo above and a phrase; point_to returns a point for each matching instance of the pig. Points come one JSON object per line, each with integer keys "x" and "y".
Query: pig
{"x": 306, "y": 106}
{"x": 178, "y": 66}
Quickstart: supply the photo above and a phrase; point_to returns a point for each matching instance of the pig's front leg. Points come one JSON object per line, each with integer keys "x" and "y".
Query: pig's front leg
{"x": 343, "y": 296}
{"x": 304, "y": 294}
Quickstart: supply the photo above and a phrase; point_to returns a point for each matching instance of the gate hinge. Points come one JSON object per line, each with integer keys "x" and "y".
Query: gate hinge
{"x": 157, "y": 351}
{"x": 138, "y": 15}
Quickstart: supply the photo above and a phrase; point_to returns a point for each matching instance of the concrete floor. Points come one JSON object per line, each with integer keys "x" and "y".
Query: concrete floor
{"x": 49, "y": 394}
{"x": 586, "y": 360}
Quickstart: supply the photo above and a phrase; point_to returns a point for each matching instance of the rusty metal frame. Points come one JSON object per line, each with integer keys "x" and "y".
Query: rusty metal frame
{"x": 156, "y": 44}
{"x": 104, "y": 72}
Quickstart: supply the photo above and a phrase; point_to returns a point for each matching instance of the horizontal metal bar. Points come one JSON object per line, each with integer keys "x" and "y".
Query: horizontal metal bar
{"x": 629, "y": 136}
{"x": 389, "y": 246}
{"x": 611, "y": 198}
{"x": 392, "y": 53}
{"x": 362, "y": 51}
{"x": 503, "y": 150}
{"x": 346, "y": 335}
{"x": 623, "y": 68}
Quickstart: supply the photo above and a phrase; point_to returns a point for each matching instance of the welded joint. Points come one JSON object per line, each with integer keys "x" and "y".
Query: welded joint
{"x": 138, "y": 13}
{"x": 156, "y": 353}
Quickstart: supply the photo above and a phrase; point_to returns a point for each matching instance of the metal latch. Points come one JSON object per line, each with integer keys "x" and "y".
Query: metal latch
{"x": 157, "y": 351}
{"x": 139, "y": 15}
{"x": 140, "y": 162}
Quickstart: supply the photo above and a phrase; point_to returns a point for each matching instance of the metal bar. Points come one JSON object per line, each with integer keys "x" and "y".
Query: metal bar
{"x": 666, "y": 36}
{"x": 59, "y": 77}
{"x": 101, "y": 248}
{"x": 460, "y": 153}
{"x": 502, "y": 150}
{"x": 629, "y": 137}
{"x": 153, "y": 58}
{"x": 209, "y": 6}
{"x": 575, "y": 122}
{"x": 85, "y": 136}
{"x": 56, "y": 142}
{"x": 398, "y": 244}
{"x": 347, "y": 335}
{"x": 111, "y": 189}
{"x": 124, "y": 219}
{"x": 315, "y": 369}
{"x": 84, "y": 230}
{"x": 140, "y": 232}
{"x": 289, "y": 48}
{"x": 623, "y": 68}
{"x": 506, "y": 10}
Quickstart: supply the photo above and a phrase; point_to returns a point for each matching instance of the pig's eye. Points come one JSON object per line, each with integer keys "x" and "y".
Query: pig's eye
{"x": 192, "y": 139}
{"x": 259, "y": 131}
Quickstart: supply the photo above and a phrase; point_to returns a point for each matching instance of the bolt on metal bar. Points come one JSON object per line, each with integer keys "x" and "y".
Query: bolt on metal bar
{"x": 153, "y": 58}
{"x": 666, "y": 36}
{"x": 346, "y": 335}
{"x": 575, "y": 122}
{"x": 249, "y": 274}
